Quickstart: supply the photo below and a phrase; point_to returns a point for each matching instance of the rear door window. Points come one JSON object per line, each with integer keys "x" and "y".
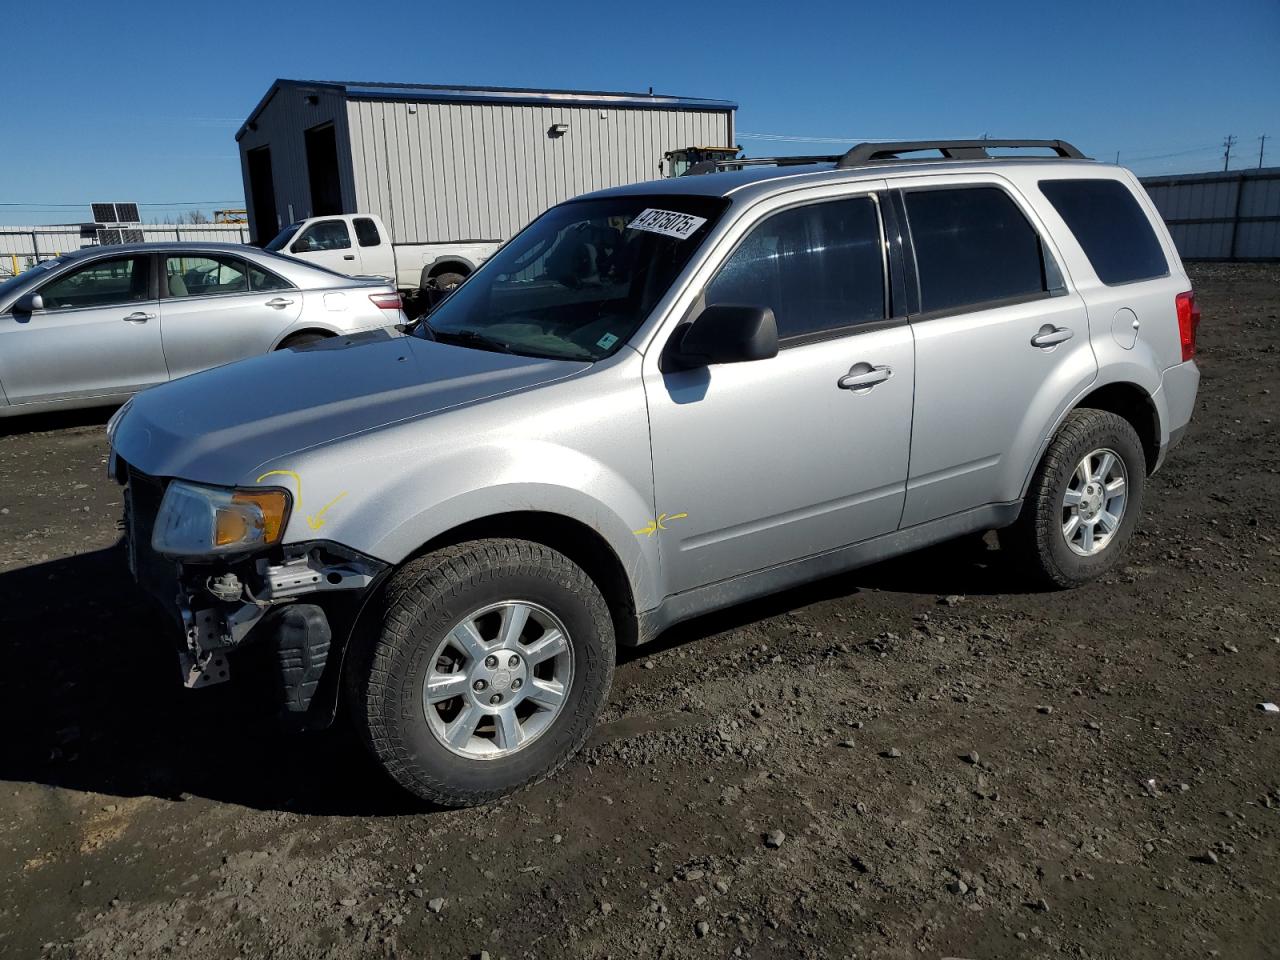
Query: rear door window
{"x": 974, "y": 248}
{"x": 1111, "y": 226}
{"x": 204, "y": 275}
{"x": 323, "y": 235}
{"x": 819, "y": 267}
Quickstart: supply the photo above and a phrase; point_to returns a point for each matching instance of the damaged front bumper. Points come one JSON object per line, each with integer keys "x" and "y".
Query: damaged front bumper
{"x": 290, "y": 602}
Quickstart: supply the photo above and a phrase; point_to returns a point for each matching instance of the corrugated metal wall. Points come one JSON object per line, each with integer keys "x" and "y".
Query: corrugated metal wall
{"x": 20, "y": 247}
{"x": 457, "y": 171}
{"x": 282, "y": 126}
{"x": 1234, "y": 215}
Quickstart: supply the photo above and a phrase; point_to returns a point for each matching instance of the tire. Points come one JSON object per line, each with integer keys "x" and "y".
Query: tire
{"x": 1038, "y": 540}
{"x": 423, "y": 604}
{"x": 302, "y": 339}
{"x": 448, "y": 281}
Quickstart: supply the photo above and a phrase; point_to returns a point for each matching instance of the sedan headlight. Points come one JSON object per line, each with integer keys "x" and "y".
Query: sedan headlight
{"x": 197, "y": 521}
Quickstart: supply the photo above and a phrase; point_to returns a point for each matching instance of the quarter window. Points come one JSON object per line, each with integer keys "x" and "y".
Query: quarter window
{"x": 323, "y": 235}
{"x": 818, "y": 267}
{"x": 263, "y": 281}
{"x": 103, "y": 283}
{"x": 367, "y": 232}
{"x": 204, "y": 276}
{"x": 1111, "y": 227}
{"x": 973, "y": 248}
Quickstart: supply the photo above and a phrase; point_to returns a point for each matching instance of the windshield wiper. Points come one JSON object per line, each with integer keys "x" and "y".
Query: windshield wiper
{"x": 469, "y": 338}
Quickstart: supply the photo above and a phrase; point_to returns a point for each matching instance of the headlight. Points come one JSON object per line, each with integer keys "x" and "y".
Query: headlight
{"x": 196, "y": 521}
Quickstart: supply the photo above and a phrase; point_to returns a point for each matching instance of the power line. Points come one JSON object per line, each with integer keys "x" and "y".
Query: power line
{"x": 149, "y": 203}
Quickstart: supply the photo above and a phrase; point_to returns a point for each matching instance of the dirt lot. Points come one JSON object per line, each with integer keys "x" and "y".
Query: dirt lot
{"x": 959, "y": 769}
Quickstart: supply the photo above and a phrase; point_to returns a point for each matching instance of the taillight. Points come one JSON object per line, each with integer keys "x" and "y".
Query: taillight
{"x": 391, "y": 301}
{"x": 1188, "y": 322}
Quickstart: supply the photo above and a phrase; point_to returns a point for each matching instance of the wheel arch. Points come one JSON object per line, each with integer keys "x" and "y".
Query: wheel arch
{"x": 302, "y": 332}
{"x": 450, "y": 263}
{"x": 578, "y": 541}
{"x": 1134, "y": 404}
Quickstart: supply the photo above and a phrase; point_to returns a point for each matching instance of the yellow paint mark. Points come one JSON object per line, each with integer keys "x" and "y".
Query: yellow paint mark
{"x": 284, "y": 473}
{"x": 316, "y": 521}
{"x": 660, "y": 523}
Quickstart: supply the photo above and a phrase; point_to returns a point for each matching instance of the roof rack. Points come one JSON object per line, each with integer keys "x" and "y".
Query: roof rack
{"x": 950, "y": 150}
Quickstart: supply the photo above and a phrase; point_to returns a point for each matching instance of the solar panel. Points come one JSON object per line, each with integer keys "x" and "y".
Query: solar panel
{"x": 131, "y": 236}
{"x": 127, "y": 213}
{"x": 106, "y": 237}
{"x": 104, "y": 212}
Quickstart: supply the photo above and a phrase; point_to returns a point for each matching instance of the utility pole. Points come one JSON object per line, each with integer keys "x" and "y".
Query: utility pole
{"x": 1262, "y": 146}
{"x": 1228, "y": 143}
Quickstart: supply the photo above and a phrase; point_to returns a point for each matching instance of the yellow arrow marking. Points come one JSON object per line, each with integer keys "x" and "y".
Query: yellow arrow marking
{"x": 316, "y": 520}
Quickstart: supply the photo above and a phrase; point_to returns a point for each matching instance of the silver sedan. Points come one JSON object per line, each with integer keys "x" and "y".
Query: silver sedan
{"x": 93, "y": 327}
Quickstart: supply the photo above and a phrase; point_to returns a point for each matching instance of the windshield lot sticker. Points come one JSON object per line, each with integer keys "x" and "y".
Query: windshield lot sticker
{"x": 660, "y": 523}
{"x": 607, "y": 341}
{"x": 669, "y": 223}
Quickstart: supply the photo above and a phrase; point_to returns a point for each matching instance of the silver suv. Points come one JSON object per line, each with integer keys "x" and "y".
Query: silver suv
{"x": 656, "y": 401}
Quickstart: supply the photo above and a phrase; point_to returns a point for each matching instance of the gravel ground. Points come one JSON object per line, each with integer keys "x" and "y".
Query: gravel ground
{"x": 913, "y": 760}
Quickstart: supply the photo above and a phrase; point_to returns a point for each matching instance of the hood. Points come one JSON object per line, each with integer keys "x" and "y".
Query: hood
{"x": 217, "y": 426}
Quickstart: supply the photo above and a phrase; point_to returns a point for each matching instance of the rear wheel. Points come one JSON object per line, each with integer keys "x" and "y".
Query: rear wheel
{"x": 447, "y": 282}
{"x": 1084, "y": 501}
{"x": 302, "y": 339}
{"x": 486, "y": 672}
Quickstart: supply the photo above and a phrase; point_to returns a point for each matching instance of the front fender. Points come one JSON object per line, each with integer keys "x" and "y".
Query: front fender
{"x": 388, "y": 508}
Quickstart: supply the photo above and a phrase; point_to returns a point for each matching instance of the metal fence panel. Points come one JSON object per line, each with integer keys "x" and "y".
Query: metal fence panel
{"x": 1233, "y": 215}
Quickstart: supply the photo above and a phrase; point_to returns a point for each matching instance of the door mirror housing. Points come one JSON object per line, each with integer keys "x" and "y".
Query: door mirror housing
{"x": 725, "y": 333}
{"x": 28, "y": 303}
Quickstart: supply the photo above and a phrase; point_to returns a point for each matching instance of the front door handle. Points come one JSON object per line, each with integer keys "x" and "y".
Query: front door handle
{"x": 348, "y": 256}
{"x": 139, "y": 317}
{"x": 863, "y": 376}
{"x": 1051, "y": 336}
{"x": 279, "y": 303}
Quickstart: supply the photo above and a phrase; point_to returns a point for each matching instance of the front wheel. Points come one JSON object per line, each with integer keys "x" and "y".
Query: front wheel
{"x": 1084, "y": 501}
{"x": 486, "y": 672}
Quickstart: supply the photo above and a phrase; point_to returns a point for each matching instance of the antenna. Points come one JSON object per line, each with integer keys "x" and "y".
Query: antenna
{"x": 1262, "y": 146}
{"x": 1229, "y": 142}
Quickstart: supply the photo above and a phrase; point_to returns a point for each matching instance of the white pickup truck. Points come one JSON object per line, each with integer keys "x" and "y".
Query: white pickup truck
{"x": 360, "y": 245}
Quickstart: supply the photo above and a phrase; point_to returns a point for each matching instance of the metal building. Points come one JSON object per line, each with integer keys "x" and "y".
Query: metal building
{"x": 454, "y": 164}
{"x": 1232, "y": 215}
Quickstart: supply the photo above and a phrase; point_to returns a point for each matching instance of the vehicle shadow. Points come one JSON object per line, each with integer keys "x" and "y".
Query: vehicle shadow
{"x": 967, "y": 566}
{"x": 56, "y": 420}
{"x": 89, "y": 681}
{"x": 90, "y": 691}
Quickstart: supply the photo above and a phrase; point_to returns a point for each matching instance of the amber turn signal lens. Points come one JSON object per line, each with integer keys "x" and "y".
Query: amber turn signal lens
{"x": 230, "y": 527}
{"x": 273, "y": 505}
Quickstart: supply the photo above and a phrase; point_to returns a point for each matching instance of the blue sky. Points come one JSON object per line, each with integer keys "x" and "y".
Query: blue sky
{"x": 142, "y": 101}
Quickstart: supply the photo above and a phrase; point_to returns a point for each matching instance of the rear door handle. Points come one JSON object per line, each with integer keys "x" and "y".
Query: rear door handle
{"x": 279, "y": 303}
{"x": 139, "y": 317}
{"x": 863, "y": 376}
{"x": 1051, "y": 336}
{"x": 348, "y": 256}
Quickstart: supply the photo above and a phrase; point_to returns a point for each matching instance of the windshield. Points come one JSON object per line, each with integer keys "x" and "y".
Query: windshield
{"x": 579, "y": 280}
{"x": 18, "y": 280}
{"x": 283, "y": 237}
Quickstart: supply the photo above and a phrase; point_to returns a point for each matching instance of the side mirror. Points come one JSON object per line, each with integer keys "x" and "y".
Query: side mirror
{"x": 28, "y": 303}
{"x": 725, "y": 333}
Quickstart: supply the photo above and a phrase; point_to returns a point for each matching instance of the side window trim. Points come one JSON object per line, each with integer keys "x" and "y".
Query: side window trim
{"x": 918, "y": 315}
{"x": 890, "y": 318}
